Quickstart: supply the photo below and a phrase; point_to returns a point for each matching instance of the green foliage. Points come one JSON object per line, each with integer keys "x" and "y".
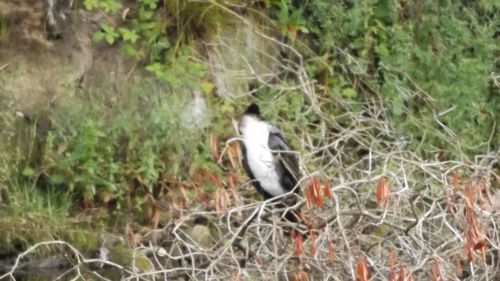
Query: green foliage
{"x": 48, "y": 204}
{"x": 109, "y": 34}
{"x": 87, "y": 162}
{"x": 429, "y": 61}
{"x": 426, "y": 61}
{"x": 131, "y": 153}
{"x": 288, "y": 16}
{"x": 179, "y": 70}
{"x": 92, "y": 151}
{"x": 145, "y": 34}
{"x": 138, "y": 35}
{"x": 108, "y": 6}
{"x": 120, "y": 153}
{"x": 32, "y": 215}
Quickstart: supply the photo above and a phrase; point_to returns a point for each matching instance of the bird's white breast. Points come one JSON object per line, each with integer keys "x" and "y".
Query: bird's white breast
{"x": 255, "y": 134}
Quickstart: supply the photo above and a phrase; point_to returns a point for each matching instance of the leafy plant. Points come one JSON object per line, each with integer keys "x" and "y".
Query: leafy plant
{"x": 108, "y": 6}
{"x": 289, "y": 17}
{"x": 430, "y": 63}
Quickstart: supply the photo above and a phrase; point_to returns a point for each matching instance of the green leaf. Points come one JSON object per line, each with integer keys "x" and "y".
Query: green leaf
{"x": 382, "y": 50}
{"x": 110, "y": 6}
{"x": 28, "y": 172}
{"x": 145, "y": 14}
{"x": 349, "y": 93}
{"x": 91, "y": 4}
{"x": 397, "y": 106}
{"x": 129, "y": 35}
{"x": 110, "y": 39}
{"x": 98, "y": 36}
{"x": 158, "y": 69}
{"x": 57, "y": 178}
{"x": 150, "y": 3}
{"x": 91, "y": 188}
{"x": 303, "y": 29}
{"x": 130, "y": 50}
{"x": 107, "y": 28}
{"x": 207, "y": 87}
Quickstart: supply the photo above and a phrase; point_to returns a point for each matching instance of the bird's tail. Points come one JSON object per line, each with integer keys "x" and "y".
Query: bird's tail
{"x": 291, "y": 216}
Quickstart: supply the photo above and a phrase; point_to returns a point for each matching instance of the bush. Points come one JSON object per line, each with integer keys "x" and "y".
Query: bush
{"x": 429, "y": 62}
{"x": 94, "y": 148}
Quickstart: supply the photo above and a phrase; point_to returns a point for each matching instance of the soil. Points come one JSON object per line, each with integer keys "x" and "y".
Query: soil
{"x": 37, "y": 69}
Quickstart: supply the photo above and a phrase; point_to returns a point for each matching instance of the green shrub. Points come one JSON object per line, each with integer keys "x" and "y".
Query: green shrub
{"x": 429, "y": 61}
{"x": 93, "y": 149}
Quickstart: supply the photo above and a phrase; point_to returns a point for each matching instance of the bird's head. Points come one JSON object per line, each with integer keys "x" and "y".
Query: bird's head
{"x": 251, "y": 122}
{"x": 252, "y": 109}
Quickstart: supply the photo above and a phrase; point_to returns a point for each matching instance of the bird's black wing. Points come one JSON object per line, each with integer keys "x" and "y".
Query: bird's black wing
{"x": 286, "y": 160}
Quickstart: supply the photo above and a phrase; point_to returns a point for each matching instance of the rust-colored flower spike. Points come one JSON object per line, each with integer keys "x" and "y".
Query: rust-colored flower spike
{"x": 403, "y": 274}
{"x": 483, "y": 188}
{"x": 235, "y": 146}
{"x": 312, "y": 237}
{"x": 470, "y": 197}
{"x": 318, "y": 193}
{"x": 183, "y": 195}
{"x": 450, "y": 204}
{"x": 393, "y": 259}
{"x": 213, "y": 147}
{"x": 222, "y": 200}
{"x": 468, "y": 247}
{"x": 474, "y": 240}
{"x": 309, "y": 198}
{"x": 328, "y": 190}
{"x": 231, "y": 155}
{"x": 437, "y": 275}
{"x": 155, "y": 217}
{"x": 214, "y": 178}
{"x": 298, "y": 246}
{"x": 392, "y": 264}
{"x": 314, "y": 194}
{"x": 456, "y": 181}
{"x": 362, "y": 270}
{"x": 383, "y": 192}
{"x": 331, "y": 252}
{"x": 474, "y": 236}
{"x": 300, "y": 275}
{"x": 459, "y": 270}
{"x": 230, "y": 181}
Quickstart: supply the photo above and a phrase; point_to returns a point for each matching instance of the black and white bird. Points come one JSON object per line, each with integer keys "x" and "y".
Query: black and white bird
{"x": 268, "y": 158}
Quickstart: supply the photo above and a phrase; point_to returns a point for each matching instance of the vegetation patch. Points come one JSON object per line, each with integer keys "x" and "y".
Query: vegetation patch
{"x": 392, "y": 106}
